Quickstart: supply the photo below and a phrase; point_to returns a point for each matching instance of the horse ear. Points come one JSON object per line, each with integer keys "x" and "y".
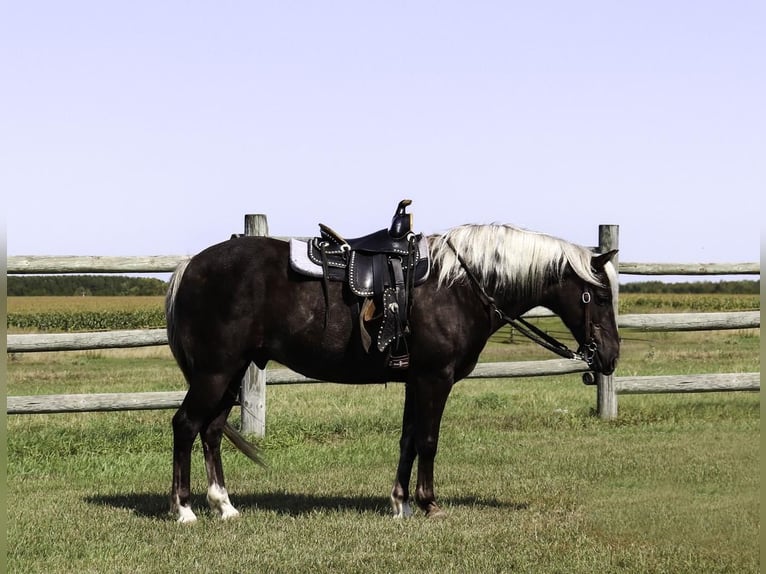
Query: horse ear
{"x": 599, "y": 261}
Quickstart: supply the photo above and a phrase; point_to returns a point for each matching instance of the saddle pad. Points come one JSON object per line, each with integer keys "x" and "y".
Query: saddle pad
{"x": 299, "y": 259}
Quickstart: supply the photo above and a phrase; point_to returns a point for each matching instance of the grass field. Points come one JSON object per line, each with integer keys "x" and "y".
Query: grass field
{"x": 532, "y": 481}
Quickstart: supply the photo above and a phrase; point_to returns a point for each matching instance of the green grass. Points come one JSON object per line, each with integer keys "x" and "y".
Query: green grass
{"x": 531, "y": 480}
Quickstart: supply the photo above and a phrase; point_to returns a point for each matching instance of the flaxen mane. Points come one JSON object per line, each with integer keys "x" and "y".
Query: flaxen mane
{"x": 508, "y": 259}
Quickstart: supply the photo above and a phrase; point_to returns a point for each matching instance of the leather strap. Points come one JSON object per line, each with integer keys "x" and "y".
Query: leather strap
{"x": 325, "y": 282}
{"x": 527, "y": 329}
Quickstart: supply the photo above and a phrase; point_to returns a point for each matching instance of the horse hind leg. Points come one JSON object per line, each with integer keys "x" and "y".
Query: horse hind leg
{"x": 217, "y": 496}
{"x": 203, "y": 411}
{"x": 185, "y": 430}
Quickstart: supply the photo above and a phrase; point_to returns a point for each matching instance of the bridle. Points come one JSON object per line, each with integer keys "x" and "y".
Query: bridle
{"x": 586, "y": 351}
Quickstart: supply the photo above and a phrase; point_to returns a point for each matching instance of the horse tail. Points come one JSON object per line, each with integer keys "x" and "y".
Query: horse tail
{"x": 170, "y": 313}
{"x": 247, "y": 448}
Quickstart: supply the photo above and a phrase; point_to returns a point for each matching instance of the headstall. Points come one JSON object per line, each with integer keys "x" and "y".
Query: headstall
{"x": 586, "y": 352}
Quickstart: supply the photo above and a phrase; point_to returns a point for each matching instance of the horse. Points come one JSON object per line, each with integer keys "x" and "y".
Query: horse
{"x": 240, "y": 301}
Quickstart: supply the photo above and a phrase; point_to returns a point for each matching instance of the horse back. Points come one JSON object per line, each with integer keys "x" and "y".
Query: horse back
{"x": 240, "y": 300}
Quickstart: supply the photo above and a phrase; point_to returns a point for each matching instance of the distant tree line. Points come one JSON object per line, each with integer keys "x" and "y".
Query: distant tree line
{"x": 698, "y": 287}
{"x": 83, "y": 285}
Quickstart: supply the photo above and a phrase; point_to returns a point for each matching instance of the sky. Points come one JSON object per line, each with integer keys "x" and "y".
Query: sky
{"x": 152, "y": 127}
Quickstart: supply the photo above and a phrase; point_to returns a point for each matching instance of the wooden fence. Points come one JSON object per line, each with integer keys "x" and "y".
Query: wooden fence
{"x": 253, "y": 397}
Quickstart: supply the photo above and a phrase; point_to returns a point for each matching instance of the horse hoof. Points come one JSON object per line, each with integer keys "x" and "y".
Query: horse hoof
{"x": 183, "y": 512}
{"x": 436, "y": 513}
{"x": 402, "y": 510}
{"x": 186, "y": 516}
{"x": 230, "y": 513}
{"x": 219, "y": 502}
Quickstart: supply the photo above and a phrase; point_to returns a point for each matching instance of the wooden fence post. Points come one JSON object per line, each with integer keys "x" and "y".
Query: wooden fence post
{"x": 253, "y": 393}
{"x": 606, "y": 395}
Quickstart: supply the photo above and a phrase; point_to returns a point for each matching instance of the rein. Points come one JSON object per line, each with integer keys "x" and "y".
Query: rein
{"x": 526, "y": 328}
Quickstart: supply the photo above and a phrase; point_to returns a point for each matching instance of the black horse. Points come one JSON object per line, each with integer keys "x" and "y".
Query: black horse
{"x": 240, "y": 301}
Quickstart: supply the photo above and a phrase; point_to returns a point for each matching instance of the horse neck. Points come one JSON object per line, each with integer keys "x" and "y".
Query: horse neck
{"x": 516, "y": 302}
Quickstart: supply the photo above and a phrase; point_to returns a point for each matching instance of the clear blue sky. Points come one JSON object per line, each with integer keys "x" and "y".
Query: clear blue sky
{"x": 151, "y": 128}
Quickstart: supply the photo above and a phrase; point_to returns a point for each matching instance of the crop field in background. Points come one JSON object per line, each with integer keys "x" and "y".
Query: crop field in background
{"x": 531, "y": 480}
{"x": 62, "y": 314}
{"x": 67, "y": 314}
{"x": 691, "y": 303}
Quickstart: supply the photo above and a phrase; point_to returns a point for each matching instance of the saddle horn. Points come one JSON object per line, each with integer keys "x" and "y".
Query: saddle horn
{"x": 401, "y": 224}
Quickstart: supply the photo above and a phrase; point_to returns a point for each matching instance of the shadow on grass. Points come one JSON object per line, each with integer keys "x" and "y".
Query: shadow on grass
{"x": 154, "y": 505}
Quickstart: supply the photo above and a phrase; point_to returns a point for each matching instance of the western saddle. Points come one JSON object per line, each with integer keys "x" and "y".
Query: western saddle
{"x": 382, "y": 268}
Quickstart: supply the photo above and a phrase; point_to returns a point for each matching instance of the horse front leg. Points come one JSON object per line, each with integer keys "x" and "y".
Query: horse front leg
{"x": 431, "y": 401}
{"x": 400, "y": 493}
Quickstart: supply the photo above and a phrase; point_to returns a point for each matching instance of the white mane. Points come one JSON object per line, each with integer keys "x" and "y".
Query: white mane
{"x": 509, "y": 259}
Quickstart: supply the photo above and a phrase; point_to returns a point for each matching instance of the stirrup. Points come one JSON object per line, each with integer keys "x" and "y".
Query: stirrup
{"x": 399, "y": 362}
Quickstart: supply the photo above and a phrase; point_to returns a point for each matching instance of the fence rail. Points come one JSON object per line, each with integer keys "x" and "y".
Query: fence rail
{"x": 36, "y": 404}
{"x": 41, "y": 342}
{"x": 688, "y": 383}
{"x": 38, "y": 265}
{"x": 105, "y": 402}
{"x": 43, "y": 264}
{"x": 690, "y": 268}
{"x": 608, "y": 387}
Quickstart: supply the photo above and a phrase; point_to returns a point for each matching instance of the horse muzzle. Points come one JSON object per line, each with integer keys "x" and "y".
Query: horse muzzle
{"x": 607, "y": 369}
{"x": 597, "y": 359}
